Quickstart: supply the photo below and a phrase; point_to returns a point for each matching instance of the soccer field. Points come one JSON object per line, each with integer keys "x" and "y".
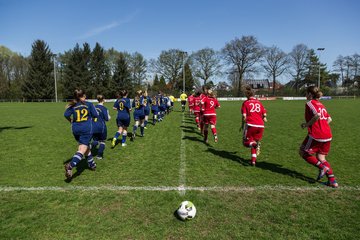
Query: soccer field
{"x": 136, "y": 189}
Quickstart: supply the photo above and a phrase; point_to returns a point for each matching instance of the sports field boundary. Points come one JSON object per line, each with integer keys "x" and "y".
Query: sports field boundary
{"x": 266, "y": 188}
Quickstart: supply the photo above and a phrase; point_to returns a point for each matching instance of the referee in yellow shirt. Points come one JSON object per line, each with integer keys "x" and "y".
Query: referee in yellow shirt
{"x": 183, "y": 98}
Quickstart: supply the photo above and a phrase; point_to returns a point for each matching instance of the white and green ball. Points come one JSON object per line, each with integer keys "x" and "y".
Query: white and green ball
{"x": 186, "y": 210}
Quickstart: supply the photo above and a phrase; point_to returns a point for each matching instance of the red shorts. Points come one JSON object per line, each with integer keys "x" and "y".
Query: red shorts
{"x": 311, "y": 146}
{"x": 197, "y": 114}
{"x": 209, "y": 119}
{"x": 253, "y": 133}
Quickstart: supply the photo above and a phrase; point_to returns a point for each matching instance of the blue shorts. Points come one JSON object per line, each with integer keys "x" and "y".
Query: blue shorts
{"x": 138, "y": 117}
{"x": 100, "y": 136}
{"x": 123, "y": 122}
{"x": 147, "y": 111}
{"x": 83, "y": 138}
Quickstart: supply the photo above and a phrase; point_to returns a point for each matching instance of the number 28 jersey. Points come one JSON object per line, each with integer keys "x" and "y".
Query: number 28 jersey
{"x": 254, "y": 111}
{"x": 320, "y": 130}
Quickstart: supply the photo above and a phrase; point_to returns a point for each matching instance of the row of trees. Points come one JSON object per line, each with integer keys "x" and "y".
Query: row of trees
{"x": 107, "y": 71}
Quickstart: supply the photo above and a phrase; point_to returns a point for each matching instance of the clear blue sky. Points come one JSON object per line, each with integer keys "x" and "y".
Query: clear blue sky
{"x": 150, "y": 26}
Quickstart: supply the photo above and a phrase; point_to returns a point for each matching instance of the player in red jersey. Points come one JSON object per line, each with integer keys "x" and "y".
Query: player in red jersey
{"x": 191, "y": 104}
{"x": 209, "y": 104}
{"x": 201, "y": 115}
{"x": 316, "y": 145}
{"x": 196, "y": 109}
{"x": 253, "y": 118}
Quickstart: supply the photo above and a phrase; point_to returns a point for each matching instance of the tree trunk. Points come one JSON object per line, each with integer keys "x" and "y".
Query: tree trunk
{"x": 274, "y": 83}
{"x": 240, "y": 85}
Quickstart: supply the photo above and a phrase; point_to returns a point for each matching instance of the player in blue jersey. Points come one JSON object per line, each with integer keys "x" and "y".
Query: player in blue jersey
{"x": 167, "y": 104}
{"x": 154, "y": 109}
{"x": 147, "y": 102}
{"x": 80, "y": 114}
{"x": 139, "y": 114}
{"x": 123, "y": 107}
{"x": 162, "y": 106}
{"x": 99, "y": 126}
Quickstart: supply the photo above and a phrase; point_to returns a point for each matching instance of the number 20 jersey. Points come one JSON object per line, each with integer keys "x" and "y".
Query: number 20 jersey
{"x": 320, "y": 130}
{"x": 254, "y": 111}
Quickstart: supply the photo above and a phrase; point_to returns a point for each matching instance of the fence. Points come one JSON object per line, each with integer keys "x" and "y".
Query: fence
{"x": 178, "y": 99}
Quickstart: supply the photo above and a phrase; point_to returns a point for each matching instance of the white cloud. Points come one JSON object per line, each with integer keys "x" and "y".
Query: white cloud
{"x": 98, "y": 30}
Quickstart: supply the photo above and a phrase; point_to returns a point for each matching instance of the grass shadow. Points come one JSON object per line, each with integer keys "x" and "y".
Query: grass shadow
{"x": 233, "y": 156}
{"x": 14, "y": 128}
{"x": 189, "y": 129}
{"x": 80, "y": 167}
{"x": 195, "y": 139}
{"x": 277, "y": 168}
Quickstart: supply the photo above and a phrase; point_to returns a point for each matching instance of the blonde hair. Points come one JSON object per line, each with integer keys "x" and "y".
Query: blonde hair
{"x": 211, "y": 93}
{"x": 100, "y": 98}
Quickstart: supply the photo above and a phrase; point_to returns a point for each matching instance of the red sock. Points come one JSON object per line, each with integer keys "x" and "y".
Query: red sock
{"x": 313, "y": 161}
{"x": 213, "y": 130}
{"x": 206, "y": 134}
{"x": 253, "y": 154}
{"x": 249, "y": 144}
{"x": 330, "y": 173}
{"x": 201, "y": 126}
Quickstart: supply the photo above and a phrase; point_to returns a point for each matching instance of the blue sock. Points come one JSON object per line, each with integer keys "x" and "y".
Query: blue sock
{"x": 94, "y": 144}
{"x": 142, "y": 130}
{"x": 134, "y": 129}
{"x": 100, "y": 152}
{"x": 90, "y": 160}
{"x": 117, "y": 134}
{"x": 123, "y": 140}
{"x": 76, "y": 159}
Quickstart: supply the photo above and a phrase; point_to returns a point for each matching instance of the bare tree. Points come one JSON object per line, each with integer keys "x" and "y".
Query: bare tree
{"x": 169, "y": 65}
{"x": 205, "y": 64}
{"x": 243, "y": 54}
{"x": 339, "y": 66}
{"x": 276, "y": 63}
{"x": 348, "y": 67}
{"x": 299, "y": 61}
{"x": 355, "y": 59}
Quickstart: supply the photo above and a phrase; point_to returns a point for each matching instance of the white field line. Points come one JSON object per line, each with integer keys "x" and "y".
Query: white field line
{"x": 182, "y": 174}
{"x": 265, "y": 188}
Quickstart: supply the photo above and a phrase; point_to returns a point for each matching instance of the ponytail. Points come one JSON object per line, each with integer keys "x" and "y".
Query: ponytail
{"x": 78, "y": 94}
{"x": 315, "y": 92}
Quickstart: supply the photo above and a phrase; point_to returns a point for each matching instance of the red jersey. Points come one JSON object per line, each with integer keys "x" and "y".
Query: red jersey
{"x": 197, "y": 104}
{"x": 254, "y": 111}
{"x": 191, "y": 100}
{"x": 202, "y": 96}
{"x": 320, "y": 130}
{"x": 209, "y": 104}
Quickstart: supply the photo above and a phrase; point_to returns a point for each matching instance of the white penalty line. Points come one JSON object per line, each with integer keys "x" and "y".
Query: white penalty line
{"x": 178, "y": 188}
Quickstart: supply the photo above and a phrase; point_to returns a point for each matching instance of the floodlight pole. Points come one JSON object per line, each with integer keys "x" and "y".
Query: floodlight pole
{"x": 183, "y": 58}
{"x": 54, "y": 59}
{"x": 319, "y": 49}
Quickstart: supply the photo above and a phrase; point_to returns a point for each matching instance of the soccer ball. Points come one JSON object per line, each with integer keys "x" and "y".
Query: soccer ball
{"x": 186, "y": 210}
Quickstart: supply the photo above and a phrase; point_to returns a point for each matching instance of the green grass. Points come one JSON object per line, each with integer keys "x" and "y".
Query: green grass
{"x": 278, "y": 199}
